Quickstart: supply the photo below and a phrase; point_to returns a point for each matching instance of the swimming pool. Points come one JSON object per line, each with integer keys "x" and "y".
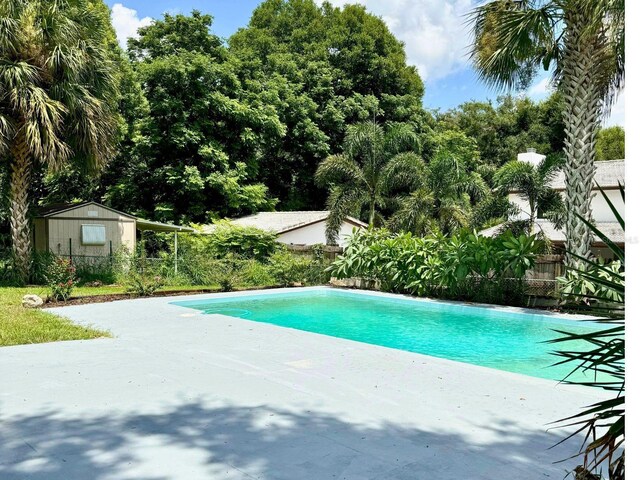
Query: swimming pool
{"x": 492, "y": 337}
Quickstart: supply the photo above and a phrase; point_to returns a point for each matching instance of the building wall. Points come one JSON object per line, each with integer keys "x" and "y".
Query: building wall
{"x": 315, "y": 233}
{"x": 120, "y": 231}
{"x": 601, "y": 210}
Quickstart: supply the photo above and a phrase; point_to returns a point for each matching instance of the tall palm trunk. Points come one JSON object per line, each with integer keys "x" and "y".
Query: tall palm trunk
{"x": 372, "y": 212}
{"x": 581, "y": 115}
{"x": 19, "y": 206}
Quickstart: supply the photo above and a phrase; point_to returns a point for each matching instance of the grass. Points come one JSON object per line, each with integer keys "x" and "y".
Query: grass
{"x": 19, "y": 325}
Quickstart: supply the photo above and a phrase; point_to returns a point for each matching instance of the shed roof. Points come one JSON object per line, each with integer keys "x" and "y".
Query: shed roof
{"x": 56, "y": 208}
{"x": 612, "y": 230}
{"x": 141, "y": 223}
{"x": 281, "y": 222}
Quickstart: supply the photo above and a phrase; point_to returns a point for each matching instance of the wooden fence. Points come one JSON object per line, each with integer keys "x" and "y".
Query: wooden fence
{"x": 330, "y": 251}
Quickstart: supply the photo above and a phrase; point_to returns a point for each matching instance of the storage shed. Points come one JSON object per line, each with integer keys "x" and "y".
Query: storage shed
{"x": 90, "y": 229}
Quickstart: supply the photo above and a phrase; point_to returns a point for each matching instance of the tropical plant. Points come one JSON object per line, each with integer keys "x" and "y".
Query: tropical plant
{"x": 601, "y": 354}
{"x": 583, "y": 40}
{"x": 57, "y": 97}
{"x": 463, "y": 266}
{"x": 375, "y": 162}
{"x": 445, "y": 192}
{"x": 532, "y": 183}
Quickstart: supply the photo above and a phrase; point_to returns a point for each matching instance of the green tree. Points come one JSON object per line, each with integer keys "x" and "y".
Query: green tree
{"x": 583, "y": 41}
{"x": 509, "y": 126}
{"x": 327, "y": 68}
{"x": 446, "y": 191}
{"x": 57, "y": 85}
{"x": 199, "y": 149}
{"x": 375, "y": 162}
{"x": 532, "y": 181}
{"x": 610, "y": 143}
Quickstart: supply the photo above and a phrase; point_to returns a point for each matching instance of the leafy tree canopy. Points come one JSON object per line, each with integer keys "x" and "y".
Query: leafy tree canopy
{"x": 610, "y": 143}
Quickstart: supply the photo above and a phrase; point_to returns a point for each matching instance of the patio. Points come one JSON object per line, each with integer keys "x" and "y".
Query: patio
{"x": 178, "y": 395}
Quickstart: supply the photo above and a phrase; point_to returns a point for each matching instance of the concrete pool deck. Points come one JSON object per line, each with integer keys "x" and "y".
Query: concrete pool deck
{"x": 180, "y": 395}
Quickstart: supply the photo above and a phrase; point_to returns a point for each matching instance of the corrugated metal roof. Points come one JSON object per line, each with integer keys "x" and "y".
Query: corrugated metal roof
{"x": 612, "y": 230}
{"x": 280, "y": 222}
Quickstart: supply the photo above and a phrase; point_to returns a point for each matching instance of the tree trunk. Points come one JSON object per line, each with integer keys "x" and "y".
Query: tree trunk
{"x": 532, "y": 217}
{"x": 372, "y": 212}
{"x": 19, "y": 206}
{"x": 581, "y": 115}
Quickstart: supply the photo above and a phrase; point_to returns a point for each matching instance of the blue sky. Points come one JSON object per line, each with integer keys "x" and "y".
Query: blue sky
{"x": 433, "y": 31}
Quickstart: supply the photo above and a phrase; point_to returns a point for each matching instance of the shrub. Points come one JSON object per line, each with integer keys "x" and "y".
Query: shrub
{"x": 61, "y": 278}
{"x": 463, "y": 266}
{"x": 143, "y": 284}
{"x": 288, "y": 269}
{"x": 227, "y": 239}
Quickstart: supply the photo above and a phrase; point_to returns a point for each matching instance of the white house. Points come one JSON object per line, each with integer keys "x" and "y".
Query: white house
{"x": 608, "y": 175}
{"x": 298, "y": 228}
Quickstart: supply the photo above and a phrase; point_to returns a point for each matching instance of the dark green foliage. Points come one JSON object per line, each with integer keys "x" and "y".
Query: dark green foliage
{"x": 326, "y": 68}
{"x": 227, "y": 239}
{"x": 510, "y": 126}
{"x": 464, "y": 266}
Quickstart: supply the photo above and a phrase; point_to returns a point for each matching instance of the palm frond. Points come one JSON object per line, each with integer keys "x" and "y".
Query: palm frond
{"x": 511, "y": 40}
{"x": 337, "y": 169}
{"x": 404, "y": 170}
{"x": 342, "y": 202}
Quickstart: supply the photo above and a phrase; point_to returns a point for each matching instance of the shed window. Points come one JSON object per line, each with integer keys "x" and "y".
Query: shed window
{"x": 94, "y": 235}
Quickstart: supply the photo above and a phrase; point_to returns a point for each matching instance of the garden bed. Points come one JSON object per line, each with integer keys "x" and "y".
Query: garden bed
{"x": 112, "y": 297}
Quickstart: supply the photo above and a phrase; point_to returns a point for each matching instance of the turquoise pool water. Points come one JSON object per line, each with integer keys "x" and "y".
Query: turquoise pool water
{"x": 495, "y": 338}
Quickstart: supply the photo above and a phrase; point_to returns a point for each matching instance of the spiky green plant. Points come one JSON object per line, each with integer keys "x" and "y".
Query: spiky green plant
{"x": 57, "y": 96}
{"x": 602, "y": 355}
{"x": 582, "y": 42}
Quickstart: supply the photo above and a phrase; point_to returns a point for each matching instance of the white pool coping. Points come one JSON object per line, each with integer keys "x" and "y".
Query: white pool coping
{"x": 374, "y": 293}
{"x": 179, "y": 395}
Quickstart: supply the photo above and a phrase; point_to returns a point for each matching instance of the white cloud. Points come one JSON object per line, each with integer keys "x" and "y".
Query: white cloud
{"x": 435, "y": 33}
{"x": 540, "y": 89}
{"x": 617, "y": 113}
{"x": 126, "y": 23}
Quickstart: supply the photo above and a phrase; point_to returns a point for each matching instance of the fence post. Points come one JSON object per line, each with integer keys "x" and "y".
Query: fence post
{"x": 70, "y": 254}
{"x": 175, "y": 253}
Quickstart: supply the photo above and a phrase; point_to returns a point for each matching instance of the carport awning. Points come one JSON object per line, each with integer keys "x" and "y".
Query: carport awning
{"x": 142, "y": 224}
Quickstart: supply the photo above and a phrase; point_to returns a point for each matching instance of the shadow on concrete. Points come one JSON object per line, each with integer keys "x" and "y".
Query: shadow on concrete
{"x": 196, "y": 441}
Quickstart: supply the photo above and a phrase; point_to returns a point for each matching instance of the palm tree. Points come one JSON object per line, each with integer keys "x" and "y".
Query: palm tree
{"x": 533, "y": 183}
{"x": 443, "y": 200}
{"x": 583, "y": 42}
{"x": 376, "y": 161}
{"x": 57, "y": 97}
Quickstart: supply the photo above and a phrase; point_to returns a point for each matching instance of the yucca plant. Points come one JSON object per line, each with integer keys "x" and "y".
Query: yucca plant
{"x": 603, "y": 357}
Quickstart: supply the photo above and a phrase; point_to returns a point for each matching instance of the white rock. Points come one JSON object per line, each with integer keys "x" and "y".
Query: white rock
{"x": 31, "y": 301}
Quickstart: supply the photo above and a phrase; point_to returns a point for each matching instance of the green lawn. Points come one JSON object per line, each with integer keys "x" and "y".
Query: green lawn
{"x": 19, "y": 325}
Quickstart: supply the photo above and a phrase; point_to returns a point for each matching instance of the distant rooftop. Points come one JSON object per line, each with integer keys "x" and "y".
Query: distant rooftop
{"x": 280, "y": 222}
{"x": 612, "y": 230}
{"x": 608, "y": 174}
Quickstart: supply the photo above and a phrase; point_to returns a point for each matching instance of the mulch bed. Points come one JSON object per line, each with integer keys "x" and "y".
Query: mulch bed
{"x": 112, "y": 297}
